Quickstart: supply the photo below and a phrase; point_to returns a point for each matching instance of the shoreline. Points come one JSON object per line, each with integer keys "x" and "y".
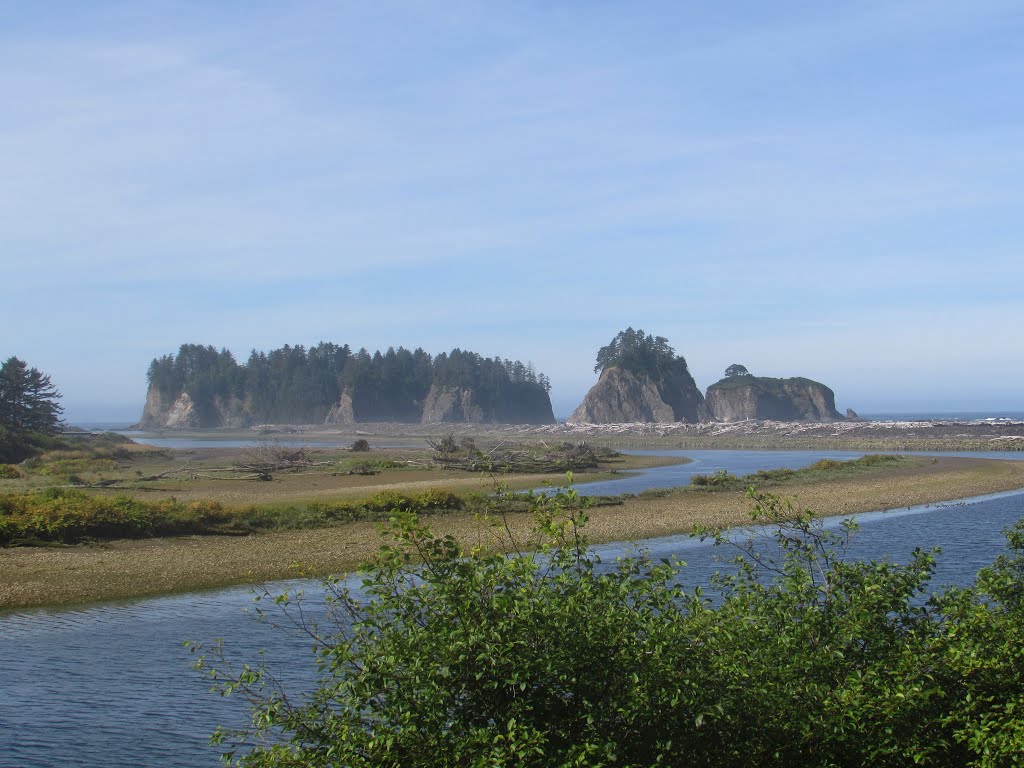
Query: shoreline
{"x": 70, "y": 576}
{"x": 862, "y": 435}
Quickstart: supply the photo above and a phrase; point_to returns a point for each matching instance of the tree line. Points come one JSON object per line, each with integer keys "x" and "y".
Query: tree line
{"x": 295, "y": 384}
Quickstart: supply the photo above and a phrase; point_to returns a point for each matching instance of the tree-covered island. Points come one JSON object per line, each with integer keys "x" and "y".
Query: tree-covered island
{"x": 203, "y": 387}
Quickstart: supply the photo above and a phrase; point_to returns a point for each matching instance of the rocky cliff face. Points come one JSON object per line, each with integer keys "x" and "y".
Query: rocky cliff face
{"x": 448, "y": 404}
{"x": 184, "y": 413}
{"x": 341, "y": 412}
{"x": 181, "y": 413}
{"x": 154, "y": 412}
{"x": 622, "y": 396}
{"x": 521, "y": 404}
{"x": 740, "y": 398}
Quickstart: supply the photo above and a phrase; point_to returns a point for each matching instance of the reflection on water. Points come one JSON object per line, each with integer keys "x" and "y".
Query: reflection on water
{"x": 111, "y": 685}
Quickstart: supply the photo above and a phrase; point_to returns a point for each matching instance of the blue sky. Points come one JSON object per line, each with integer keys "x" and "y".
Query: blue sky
{"x": 832, "y": 190}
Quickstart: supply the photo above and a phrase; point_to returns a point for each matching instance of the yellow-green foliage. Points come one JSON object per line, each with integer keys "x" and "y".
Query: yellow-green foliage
{"x": 430, "y": 500}
{"x": 435, "y": 499}
{"x": 74, "y": 466}
{"x": 720, "y": 479}
{"x": 70, "y": 515}
{"x": 871, "y": 460}
{"x": 9, "y": 472}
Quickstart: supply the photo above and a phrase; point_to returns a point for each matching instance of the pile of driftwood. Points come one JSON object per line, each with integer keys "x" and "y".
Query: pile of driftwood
{"x": 258, "y": 464}
{"x": 261, "y": 462}
{"x": 539, "y": 458}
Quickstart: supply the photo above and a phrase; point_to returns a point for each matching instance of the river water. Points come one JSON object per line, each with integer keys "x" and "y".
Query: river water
{"x": 111, "y": 684}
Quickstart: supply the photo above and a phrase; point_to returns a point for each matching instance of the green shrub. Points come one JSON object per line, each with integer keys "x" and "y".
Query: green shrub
{"x": 874, "y": 459}
{"x": 720, "y": 479}
{"x": 388, "y": 501}
{"x": 462, "y": 658}
{"x": 337, "y": 511}
{"x": 65, "y": 467}
{"x": 769, "y": 475}
{"x": 827, "y": 465}
{"x": 437, "y": 500}
{"x": 9, "y": 472}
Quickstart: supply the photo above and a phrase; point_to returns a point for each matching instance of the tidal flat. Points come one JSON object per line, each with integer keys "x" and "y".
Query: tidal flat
{"x": 48, "y": 576}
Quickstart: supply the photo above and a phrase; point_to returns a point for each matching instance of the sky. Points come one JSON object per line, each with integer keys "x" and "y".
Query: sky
{"x": 829, "y": 190}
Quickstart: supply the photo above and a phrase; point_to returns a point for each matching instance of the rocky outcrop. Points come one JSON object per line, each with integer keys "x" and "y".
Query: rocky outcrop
{"x": 185, "y": 413}
{"x": 739, "y": 398}
{"x": 622, "y": 396}
{"x": 451, "y": 404}
{"x": 179, "y": 414}
{"x": 680, "y": 391}
{"x": 517, "y": 403}
{"x": 341, "y": 412}
{"x": 154, "y": 412}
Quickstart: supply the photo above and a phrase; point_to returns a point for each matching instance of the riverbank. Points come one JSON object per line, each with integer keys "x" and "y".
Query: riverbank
{"x": 34, "y": 577}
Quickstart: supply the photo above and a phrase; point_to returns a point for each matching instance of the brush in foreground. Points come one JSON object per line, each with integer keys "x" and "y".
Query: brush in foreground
{"x": 458, "y": 657}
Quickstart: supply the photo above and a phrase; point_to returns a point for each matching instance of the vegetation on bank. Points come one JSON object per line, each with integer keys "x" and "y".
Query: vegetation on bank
{"x": 71, "y": 515}
{"x": 723, "y": 480}
{"x": 126, "y": 568}
{"x": 454, "y": 656}
{"x": 113, "y": 462}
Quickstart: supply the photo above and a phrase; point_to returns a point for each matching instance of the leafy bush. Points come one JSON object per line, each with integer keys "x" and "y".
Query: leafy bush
{"x": 9, "y": 472}
{"x": 65, "y": 467}
{"x": 361, "y": 445}
{"x": 457, "y": 658}
{"x": 827, "y": 464}
{"x": 870, "y": 460}
{"x": 437, "y": 500}
{"x": 720, "y": 479}
{"x": 387, "y": 501}
{"x": 772, "y": 475}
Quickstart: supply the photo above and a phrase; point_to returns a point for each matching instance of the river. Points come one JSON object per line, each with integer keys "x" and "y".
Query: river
{"x": 111, "y": 684}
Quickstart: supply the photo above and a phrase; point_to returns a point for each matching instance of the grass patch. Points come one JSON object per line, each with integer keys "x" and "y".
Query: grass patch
{"x": 71, "y": 516}
{"x": 820, "y": 470}
{"x": 66, "y": 467}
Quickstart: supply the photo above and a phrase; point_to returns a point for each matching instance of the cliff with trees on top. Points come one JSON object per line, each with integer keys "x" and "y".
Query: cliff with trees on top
{"x": 201, "y": 387}
{"x": 741, "y": 396}
{"x": 641, "y": 379}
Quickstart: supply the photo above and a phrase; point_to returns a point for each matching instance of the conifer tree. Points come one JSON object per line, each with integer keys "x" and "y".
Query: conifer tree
{"x": 28, "y": 399}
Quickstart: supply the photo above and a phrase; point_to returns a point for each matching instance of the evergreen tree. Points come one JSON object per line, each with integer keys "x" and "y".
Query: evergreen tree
{"x": 29, "y": 409}
{"x": 640, "y": 353}
{"x": 28, "y": 399}
{"x": 736, "y": 370}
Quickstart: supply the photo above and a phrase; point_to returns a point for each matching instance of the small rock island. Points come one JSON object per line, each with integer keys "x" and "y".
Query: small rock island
{"x": 642, "y": 379}
{"x": 741, "y": 396}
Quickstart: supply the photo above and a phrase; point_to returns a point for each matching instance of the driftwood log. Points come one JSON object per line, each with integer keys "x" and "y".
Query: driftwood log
{"x": 511, "y": 457}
